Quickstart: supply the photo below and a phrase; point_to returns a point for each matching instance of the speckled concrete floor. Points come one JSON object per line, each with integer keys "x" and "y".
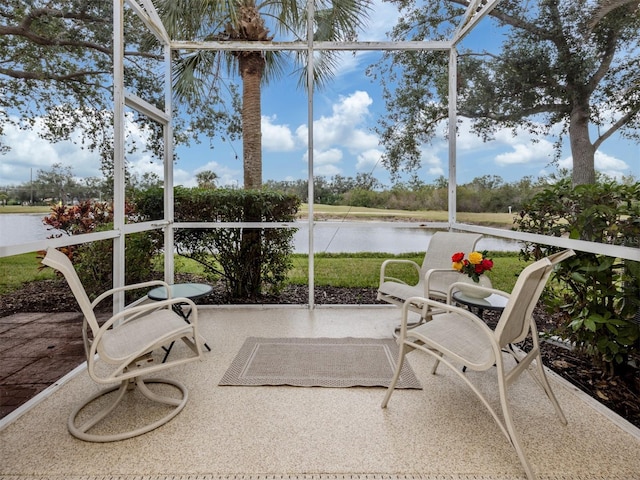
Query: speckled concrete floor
{"x": 440, "y": 432}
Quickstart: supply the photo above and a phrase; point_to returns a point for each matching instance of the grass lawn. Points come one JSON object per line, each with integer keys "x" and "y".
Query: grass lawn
{"x": 363, "y": 270}
{"x": 24, "y": 209}
{"x": 337, "y": 270}
{"x": 19, "y": 269}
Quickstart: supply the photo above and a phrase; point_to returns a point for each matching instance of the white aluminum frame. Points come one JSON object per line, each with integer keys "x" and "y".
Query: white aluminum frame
{"x": 476, "y": 11}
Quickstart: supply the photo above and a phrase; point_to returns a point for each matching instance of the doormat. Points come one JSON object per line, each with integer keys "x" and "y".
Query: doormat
{"x": 318, "y": 362}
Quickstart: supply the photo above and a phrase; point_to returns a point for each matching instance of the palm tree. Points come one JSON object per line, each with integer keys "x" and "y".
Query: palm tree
{"x": 207, "y": 179}
{"x": 244, "y": 20}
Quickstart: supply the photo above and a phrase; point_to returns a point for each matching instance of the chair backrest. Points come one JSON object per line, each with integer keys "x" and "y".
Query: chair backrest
{"x": 514, "y": 322}
{"x": 444, "y": 244}
{"x": 60, "y": 262}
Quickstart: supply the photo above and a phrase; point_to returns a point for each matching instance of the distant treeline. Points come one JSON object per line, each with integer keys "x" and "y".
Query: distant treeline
{"x": 489, "y": 193}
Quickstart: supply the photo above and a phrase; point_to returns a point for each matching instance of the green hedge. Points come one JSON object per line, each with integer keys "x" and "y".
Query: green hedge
{"x": 252, "y": 261}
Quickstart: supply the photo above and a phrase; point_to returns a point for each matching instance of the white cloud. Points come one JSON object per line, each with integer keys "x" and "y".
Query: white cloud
{"x": 30, "y": 153}
{"x": 431, "y": 161}
{"x": 603, "y": 163}
{"x": 344, "y": 130}
{"x": 526, "y": 153}
{"x": 276, "y": 138}
{"x": 382, "y": 18}
{"x": 368, "y": 160}
{"x": 326, "y": 162}
{"x": 226, "y": 176}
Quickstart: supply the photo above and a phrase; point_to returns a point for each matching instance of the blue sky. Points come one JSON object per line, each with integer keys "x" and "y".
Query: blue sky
{"x": 344, "y": 115}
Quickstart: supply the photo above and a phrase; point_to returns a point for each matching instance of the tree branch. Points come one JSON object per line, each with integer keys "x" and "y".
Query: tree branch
{"x": 615, "y": 127}
{"x": 604, "y": 8}
{"x": 498, "y": 117}
{"x": 41, "y": 76}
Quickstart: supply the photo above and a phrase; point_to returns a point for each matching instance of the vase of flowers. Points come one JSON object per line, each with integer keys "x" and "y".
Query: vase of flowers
{"x": 472, "y": 270}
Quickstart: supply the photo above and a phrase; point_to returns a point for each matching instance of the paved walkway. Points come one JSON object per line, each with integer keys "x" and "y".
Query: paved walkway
{"x": 37, "y": 349}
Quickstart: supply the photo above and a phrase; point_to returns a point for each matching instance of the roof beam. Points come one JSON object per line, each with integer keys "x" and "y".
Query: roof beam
{"x": 476, "y": 11}
{"x": 271, "y": 46}
{"x": 147, "y": 12}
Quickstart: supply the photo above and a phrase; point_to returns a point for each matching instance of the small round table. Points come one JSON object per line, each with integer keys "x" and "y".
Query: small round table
{"x": 492, "y": 302}
{"x": 192, "y": 291}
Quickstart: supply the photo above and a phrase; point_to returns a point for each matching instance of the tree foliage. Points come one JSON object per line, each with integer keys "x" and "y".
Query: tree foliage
{"x": 198, "y": 72}
{"x": 566, "y": 67}
{"x": 94, "y": 260}
{"x": 56, "y": 76}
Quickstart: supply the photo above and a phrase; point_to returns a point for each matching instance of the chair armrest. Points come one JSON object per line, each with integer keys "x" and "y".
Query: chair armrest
{"x": 386, "y": 263}
{"x": 131, "y": 314}
{"x": 442, "y": 308}
{"x": 133, "y": 286}
{"x": 434, "y": 273}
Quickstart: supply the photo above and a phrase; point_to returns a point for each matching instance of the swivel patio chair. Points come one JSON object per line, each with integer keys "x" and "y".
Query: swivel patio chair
{"x": 434, "y": 276}
{"x": 457, "y": 338}
{"x": 121, "y": 351}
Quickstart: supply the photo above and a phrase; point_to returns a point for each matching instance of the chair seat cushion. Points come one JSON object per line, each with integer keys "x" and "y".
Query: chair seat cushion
{"x": 400, "y": 290}
{"x": 132, "y": 337}
{"x": 449, "y": 333}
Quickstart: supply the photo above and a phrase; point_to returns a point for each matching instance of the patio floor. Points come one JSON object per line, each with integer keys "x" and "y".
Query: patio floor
{"x": 441, "y": 432}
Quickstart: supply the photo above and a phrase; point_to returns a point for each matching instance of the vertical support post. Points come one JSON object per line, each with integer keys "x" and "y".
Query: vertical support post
{"x": 310, "y": 186}
{"x": 169, "y": 213}
{"x": 118, "y": 153}
{"x": 453, "y": 121}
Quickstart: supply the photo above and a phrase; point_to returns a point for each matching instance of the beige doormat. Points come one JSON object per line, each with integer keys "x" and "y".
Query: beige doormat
{"x": 318, "y": 362}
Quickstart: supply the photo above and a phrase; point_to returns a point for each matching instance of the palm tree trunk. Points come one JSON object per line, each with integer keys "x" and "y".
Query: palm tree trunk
{"x": 251, "y": 68}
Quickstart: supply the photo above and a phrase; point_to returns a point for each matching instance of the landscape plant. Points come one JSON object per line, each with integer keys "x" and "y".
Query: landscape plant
{"x": 598, "y": 295}
{"x": 248, "y": 267}
{"x": 94, "y": 260}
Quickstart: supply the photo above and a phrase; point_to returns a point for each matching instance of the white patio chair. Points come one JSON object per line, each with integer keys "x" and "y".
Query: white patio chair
{"x": 121, "y": 351}
{"x": 434, "y": 276}
{"x": 459, "y": 338}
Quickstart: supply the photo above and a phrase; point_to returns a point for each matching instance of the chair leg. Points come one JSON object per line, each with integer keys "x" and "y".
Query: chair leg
{"x": 513, "y": 434}
{"x": 396, "y": 375}
{"x": 82, "y": 431}
{"x": 437, "y": 356}
{"x": 542, "y": 378}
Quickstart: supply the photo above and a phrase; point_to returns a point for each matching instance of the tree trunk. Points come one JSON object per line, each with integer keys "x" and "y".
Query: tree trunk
{"x": 251, "y": 68}
{"x": 582, "y": 149}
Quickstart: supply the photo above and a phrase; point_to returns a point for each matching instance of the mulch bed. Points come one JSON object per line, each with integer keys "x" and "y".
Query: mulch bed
{"x": 620, "y": 393}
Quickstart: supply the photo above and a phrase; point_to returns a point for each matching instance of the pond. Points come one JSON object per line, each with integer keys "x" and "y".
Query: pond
{"x": 17, "y": 228}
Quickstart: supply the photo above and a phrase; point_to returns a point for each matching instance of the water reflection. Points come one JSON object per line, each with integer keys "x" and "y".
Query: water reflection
{"x": 389, "y": 239}
{"x": 16, "y": 229}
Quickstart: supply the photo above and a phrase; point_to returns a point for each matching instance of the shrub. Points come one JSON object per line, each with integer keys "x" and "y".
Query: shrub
{"x": 94, "y": 260}
{"x": 251, "y": 261}
{"x": 599, "y": 295}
